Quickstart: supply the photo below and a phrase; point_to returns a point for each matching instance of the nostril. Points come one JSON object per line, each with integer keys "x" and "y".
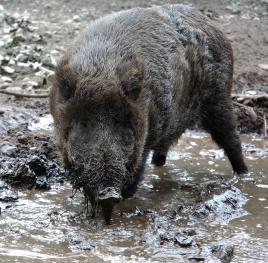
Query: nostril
{"x": 101, "y": 194}
{"x": 83, "y": 124}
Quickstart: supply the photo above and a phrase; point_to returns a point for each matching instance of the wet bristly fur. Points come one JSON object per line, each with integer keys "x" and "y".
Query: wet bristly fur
{"x": 133, "y": 82}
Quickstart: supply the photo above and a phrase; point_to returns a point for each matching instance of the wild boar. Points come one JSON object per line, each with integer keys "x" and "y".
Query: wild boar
{"x": 131, "y": 83}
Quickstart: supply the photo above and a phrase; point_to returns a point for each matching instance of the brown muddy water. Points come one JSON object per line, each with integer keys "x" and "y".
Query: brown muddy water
{"x": 191, "y": 210}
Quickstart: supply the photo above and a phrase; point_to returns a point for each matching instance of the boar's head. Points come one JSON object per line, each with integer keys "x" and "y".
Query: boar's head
{"x": 100, "y": 125}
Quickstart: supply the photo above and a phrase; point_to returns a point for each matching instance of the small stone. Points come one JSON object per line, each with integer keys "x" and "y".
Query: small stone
{"x": 183, "y": 241}
{"x": 8, "y": 69}
{"x": 41, "y": 183}
{"x": 22, "y": 58}
{"x": 18, "y": 39}
{"x": 263, "y": 66}
{"x": 189, "y": 232}
{"x": 6, "y": 194}
{"x": 8, "y": 149}
{"x": 11, "y": 62}
{"x": 23, "y": 65}
{"x": 40, "y": 39}
{"x": 33, "y": 148}
{"x": 76, "y": 18}
{"x": 171, "y": 214}
{"x": 251, "y": 92}
{"x": 22, "y": 138}
{"x": 33, "y": 84}
{"x": 223, "y": 252}
{"x": 6, "y": 79}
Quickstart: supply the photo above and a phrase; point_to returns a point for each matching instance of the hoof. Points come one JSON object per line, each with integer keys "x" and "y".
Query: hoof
{"x": 159, "y": 159}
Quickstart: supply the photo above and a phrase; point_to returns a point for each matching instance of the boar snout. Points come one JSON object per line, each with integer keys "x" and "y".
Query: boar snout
{"x": 107, "y": 198}
{"x": 109, "y": 192}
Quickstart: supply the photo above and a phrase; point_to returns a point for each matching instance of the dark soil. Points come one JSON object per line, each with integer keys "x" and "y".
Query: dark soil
{"x": 27, "y": 158}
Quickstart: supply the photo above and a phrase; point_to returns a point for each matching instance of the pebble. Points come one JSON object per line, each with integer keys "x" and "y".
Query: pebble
{"x": 76, "y": 18}
{"x": 6, "y": 194}
{"x": 8, "y": 149}
{"x": 6, "y": 79}
{"x": 223, "y": 252}
{"x": 263, "y": 66}
{"x": 183, "y": 241}
{"x": 8, "y": 69}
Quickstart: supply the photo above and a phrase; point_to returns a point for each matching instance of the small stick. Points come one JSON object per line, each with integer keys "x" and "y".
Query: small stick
{"x": 242, "y": 96}
{"x": 18, "y": 94}
{"x": 264, "y": 126}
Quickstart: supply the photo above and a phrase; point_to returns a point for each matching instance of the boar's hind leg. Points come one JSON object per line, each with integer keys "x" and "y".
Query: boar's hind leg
{"x": 160, "y": 156}
{"x": 218, "y": 119}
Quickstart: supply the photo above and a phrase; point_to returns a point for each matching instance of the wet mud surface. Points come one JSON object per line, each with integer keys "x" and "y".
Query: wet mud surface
{"x": 28, "y": 159}
{"x": 191, "y": 210}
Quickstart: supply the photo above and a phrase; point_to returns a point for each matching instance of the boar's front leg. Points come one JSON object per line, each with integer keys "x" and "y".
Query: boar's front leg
{"x": 130, "y": 189}
{"x": 218, "y": 119}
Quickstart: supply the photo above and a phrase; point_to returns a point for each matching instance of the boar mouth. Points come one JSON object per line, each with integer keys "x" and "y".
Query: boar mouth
{"x": 104, "y": 198}
{"x": 107, "y": 198}
{"x": 109, "y": 193}
{"x": 98, "y": 194}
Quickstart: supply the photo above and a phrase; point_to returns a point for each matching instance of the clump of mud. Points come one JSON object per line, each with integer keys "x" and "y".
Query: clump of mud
{"x": 28, "y": 156}
{"x": 251, "y": 114}
{"x": 211, "y": 202}
{"x": 6, "y": 194}
{"x": 31, "y": 162}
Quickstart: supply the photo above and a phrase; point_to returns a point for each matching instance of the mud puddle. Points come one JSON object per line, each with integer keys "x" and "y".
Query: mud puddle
{"x": 191, "y": 210}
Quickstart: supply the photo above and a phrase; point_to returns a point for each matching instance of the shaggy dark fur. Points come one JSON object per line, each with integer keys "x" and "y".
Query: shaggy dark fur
{"x": 133, "y": 82}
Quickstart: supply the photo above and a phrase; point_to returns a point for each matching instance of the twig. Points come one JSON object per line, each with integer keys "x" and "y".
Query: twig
{"x": 18, "y": 94}
{"x": 264, "y": 126}
{"x": 242, "y": 96}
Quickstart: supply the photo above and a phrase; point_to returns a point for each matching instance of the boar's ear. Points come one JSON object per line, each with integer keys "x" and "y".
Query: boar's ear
{"x": 66, "y": 81}
{"x": 130, "y": 75}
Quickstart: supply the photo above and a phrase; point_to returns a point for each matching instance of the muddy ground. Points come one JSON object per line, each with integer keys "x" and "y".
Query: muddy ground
{"x": 193, "y": 209}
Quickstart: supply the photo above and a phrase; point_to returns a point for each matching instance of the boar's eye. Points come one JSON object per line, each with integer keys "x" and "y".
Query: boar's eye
{"x": 66, "y": 92}
{"x": 83, "y": 124}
